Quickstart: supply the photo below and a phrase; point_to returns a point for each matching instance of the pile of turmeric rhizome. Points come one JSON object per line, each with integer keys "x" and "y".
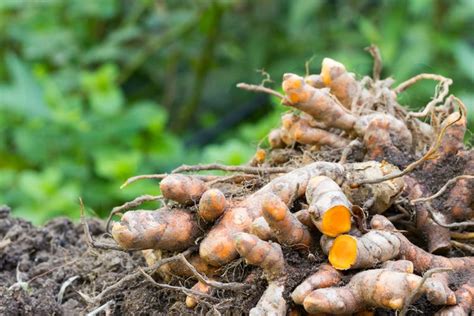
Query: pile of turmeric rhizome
{"x": 339, "y": 214}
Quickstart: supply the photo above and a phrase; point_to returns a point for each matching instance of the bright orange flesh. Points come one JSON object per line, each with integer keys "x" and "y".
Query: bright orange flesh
{"x": 336, "y": 221}
{"x": 343, "y": 253}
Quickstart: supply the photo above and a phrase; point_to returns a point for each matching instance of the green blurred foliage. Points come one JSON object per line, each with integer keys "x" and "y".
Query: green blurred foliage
{"x": 92, "y": 92}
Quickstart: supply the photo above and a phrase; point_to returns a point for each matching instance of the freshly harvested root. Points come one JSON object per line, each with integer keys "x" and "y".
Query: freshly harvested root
{"x": 452, "y": 141}
{"x": 301, "y": 198}
{"x": 390, "y": 289}
{"x": 262, "y": 230}
{"x": 422, "y": 260}
{"x": 296, "y": 129}
{"x": 329, "y": 207}
{"x": 398, "y": 265}
{"x": 464, "y": 299}
{"x": 259, "y": 157}
{"x": 191, "y": 300}
{"x": 269, "y": 257}
{"x": 385, "y": 243}
{"x": 272, "y": 301}
{"x": 286, "y": 227}
{"x": 314, "y": 81}
{"x": 211, "y": 205}
{"x": 266, "y": 255}
{"x": 318, "y": 103}
{"x": 461, "y": 198}
{"x": 165, "y": 229}
{"x": 304, "y": 217}
{"x": 385, "y": 136}
{"x": 349, "y": 252}
{"x": 151, "y": 258}
{"x": 438, "y": 238}
{"x": 326, "y": 276}
{"x": 275, "y": 139}
{"x": 178, "y": 268}
{"x": 218, "y": 246}
{"x": 380, "y": 195}
{"x": 343, "y": 85}
{"x": 183, "y": 189}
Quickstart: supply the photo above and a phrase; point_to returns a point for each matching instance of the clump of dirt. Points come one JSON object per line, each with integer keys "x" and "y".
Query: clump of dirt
{"x": 36, "y": 261}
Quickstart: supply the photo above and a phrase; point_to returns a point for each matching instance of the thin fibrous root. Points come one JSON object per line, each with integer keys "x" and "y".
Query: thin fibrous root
{"x": 464, "y": 235}
{"x": 377, "y": 69}
{"x": 177, "y": 288}
{"x": 178, "y": 268}
{"x": 443, "y": 188}
{"x": 443, "y": 91}
{"x": 93, "y": 243}
{"x": 130, "y": 277}
{"x": 244, "y": 169}
{"x": 235, "y": 286}
{"x": 160, "y": 177}
{"x": 463, "y": 246}
{"x": 259, "y": 88}
{"x": 449, "y": 225}
{"x": 103, "y": 308}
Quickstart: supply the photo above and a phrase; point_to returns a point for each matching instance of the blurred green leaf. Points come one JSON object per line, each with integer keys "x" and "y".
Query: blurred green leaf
{"x": 23, "y": 95}
{"x": 116, "y": 164}
{"x": 464, "y": 54}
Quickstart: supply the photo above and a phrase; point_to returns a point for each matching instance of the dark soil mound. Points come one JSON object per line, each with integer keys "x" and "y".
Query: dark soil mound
{"x": 37, "y": 263}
